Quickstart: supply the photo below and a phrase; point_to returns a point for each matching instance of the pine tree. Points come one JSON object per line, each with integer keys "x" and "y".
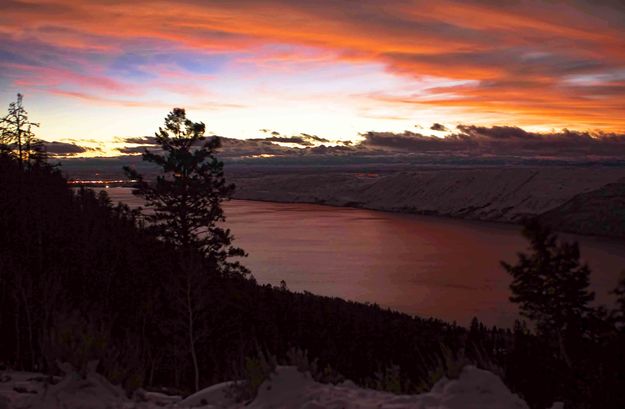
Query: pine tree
{"x": 551, "y": 285}
{"x": 186, "y": 198}
{"x": 17, "y": 136}
{"x": 189, "y": 191}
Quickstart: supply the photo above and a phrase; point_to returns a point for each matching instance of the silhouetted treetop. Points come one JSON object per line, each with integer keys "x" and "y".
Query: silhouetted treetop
{"x": 186, "y": 196}
{"x": 550, "y": 284}
{"x": 17, "y": 137}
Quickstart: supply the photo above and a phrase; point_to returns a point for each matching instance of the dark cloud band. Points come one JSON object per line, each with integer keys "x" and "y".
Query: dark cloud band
{"x": 466, "y": 141}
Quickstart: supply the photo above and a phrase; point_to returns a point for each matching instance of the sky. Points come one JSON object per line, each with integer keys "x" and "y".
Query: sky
{"x": 95, "y": 73}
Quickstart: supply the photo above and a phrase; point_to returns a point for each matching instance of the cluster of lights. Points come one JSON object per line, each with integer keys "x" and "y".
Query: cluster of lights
{"x": 106, "y": 183}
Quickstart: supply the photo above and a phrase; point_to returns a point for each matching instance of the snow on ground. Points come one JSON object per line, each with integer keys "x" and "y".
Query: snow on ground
{"x": 287, "y": 389}
{"x": 475, "y": 388}
{"x": 494, "y": 194}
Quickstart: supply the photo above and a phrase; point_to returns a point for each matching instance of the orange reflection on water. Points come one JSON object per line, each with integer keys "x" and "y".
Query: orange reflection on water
{"x": 429, "y": 266}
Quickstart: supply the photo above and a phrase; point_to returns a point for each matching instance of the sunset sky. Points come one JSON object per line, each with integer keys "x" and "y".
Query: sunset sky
{"x": 97, "y": 71}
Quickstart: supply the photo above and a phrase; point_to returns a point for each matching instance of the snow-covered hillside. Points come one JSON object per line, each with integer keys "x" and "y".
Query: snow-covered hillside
{"x": 600, "y": 212}
{"x": 495, "y": 194}
{"x": 287, "y": 389}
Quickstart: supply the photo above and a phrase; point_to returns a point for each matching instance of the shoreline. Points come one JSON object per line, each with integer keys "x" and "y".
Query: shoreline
{"x": 249, "y": 214}
{"x": 449, "y": 217}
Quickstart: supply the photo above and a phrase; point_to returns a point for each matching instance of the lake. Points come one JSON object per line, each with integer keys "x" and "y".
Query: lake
{"x": 423, "y": 265}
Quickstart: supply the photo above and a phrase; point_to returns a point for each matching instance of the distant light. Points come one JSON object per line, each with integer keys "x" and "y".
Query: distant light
{"x": 99, "y": 182}
{"x": 106, "y": 187}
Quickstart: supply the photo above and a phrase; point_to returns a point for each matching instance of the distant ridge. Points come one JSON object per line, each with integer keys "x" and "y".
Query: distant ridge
{"x": 587, "y": 200}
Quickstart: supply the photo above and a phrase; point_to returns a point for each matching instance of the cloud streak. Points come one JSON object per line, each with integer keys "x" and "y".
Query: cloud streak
{"x": 66, "y": 149}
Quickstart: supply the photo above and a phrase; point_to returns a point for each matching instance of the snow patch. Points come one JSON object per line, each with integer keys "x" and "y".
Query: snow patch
{"x": 475, "y": 388}
{"x": 216, "y": 396}
{"x": 286, "y": 389}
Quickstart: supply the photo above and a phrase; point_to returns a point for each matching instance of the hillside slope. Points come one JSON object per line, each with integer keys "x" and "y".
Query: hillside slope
{"x": 493, "y": 194}
{"x": 600, "y": 212}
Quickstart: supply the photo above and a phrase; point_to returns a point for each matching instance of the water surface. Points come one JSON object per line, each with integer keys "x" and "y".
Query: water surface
{"x": 423, "y": 265}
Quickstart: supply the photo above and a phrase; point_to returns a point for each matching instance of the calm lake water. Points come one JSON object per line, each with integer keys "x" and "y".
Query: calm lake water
{"x": 427, "y": 266}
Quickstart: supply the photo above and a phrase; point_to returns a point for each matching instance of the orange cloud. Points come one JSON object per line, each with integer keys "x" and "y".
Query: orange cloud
{"x": 527, "y": 61}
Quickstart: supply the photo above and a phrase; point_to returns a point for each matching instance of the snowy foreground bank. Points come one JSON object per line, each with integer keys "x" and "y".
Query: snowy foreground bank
{"x": 287, "y": 388}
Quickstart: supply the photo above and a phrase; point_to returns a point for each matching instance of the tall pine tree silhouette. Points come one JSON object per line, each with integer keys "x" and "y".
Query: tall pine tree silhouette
{"x": 186, "y": 200}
